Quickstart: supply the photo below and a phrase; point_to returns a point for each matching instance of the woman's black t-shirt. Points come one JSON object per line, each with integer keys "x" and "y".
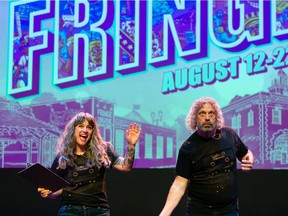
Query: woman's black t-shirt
{"x": 87, "y": 184}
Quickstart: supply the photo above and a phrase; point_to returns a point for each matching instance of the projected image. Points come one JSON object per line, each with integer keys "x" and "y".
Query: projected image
{"x": 68, "y": 57}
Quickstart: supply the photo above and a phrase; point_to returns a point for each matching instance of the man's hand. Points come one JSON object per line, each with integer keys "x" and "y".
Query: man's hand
{"x": 247, "y": 161}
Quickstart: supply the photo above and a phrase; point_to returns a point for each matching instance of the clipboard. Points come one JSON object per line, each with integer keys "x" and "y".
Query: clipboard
{"x": 41, "y": 176}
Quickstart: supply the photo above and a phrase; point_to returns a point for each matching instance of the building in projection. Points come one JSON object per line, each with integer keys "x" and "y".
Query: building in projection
{"x": 155, "y": 148}
{"x": 261, "y": 121}
{"x": 29, "y": 134}
{"x": 24, "y": 138}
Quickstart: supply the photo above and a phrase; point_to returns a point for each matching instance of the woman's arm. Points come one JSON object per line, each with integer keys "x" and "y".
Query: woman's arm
{"x": 126, "y": 163}
{"x": 132, "y": 137}
{"x": 45, "y": 193}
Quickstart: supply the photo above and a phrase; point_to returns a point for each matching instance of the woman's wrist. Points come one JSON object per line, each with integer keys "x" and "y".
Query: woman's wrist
{"x": 130, "y": 145}
{"x": 53, "y": 195}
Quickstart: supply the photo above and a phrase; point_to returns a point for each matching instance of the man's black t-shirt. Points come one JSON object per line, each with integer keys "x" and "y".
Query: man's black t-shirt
{"x": 210, "y": 166}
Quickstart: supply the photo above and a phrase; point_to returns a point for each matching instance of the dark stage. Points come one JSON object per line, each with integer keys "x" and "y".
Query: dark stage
{"x": 142, "y": 192}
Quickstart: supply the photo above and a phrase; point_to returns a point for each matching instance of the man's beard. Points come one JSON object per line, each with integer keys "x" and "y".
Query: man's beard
{"x": 207, "y": 130}
{"x": 207, "y": 126}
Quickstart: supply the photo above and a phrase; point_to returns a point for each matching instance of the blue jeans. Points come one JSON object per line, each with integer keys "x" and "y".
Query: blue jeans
{"x": 78, "y": 210}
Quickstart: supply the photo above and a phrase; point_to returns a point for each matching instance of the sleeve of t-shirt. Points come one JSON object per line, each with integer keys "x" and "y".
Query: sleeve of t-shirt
{"x": 55, "y": 163}
{"x": 112, "y": 154}
{"x": 183, "y": 165}
{"x": 54, "y": 167}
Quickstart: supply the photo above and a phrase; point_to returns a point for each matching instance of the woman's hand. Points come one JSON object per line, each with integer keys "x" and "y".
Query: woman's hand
{"x": 133, "y": 134}
{"x": 44, "y": 192}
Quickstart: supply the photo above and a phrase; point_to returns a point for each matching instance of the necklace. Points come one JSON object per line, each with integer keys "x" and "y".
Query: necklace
{"x": 216, "y": 136}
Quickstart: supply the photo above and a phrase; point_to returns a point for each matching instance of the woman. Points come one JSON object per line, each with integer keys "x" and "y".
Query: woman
{"x": 82, "y": 158}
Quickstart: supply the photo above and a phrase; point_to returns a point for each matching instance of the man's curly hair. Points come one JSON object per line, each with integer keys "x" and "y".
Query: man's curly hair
{"x": 191, "y": 119}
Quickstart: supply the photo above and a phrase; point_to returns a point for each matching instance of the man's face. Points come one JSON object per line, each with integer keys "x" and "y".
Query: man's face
{"x": 206, "y": 118}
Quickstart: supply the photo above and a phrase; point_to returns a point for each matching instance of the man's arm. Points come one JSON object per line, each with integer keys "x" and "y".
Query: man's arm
{"x": 175, "y": 194}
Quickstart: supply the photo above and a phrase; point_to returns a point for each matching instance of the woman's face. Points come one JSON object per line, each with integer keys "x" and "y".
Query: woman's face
{"x": 83, "y": 133}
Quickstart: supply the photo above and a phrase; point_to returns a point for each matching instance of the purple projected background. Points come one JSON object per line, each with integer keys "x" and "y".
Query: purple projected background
{"x": 125, "y": 65}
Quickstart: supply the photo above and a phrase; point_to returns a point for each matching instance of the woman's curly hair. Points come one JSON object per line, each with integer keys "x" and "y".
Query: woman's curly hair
{"x": 191, "y": 119}
{"x": 96, "y": 149}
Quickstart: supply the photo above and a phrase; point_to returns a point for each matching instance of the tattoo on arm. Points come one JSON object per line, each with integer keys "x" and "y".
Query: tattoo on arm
{"x": 130, "y": 155}
{"x": 129, "y": 158}
{"x": 120, "y": 161}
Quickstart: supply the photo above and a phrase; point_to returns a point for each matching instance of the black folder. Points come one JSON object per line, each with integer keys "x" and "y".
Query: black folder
{"x": 41, "y": 176}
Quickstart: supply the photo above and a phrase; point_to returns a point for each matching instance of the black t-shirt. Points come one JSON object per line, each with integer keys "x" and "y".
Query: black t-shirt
{"x": 210, "y": 166}
{"x": 87, "y": 184}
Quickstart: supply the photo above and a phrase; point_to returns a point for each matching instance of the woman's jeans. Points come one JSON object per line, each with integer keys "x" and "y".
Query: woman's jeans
{"x": 78, "y": 210}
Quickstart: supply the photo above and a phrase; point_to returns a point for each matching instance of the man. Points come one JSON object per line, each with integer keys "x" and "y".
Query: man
{"x": 206, "y": 164}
